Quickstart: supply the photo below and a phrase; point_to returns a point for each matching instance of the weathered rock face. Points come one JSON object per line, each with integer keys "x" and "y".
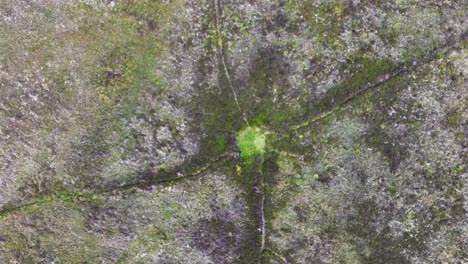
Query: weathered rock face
{"x": 120, "y": 121}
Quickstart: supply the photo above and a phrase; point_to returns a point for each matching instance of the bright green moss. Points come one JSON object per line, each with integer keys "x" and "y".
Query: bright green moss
{"x": 251, "y": 142}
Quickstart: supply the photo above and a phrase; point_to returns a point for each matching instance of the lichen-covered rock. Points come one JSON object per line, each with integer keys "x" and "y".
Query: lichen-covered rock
{"x": 122, "y": 131}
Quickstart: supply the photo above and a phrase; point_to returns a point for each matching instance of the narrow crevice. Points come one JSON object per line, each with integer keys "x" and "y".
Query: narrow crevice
{"x": 260, "y": 193}
{"x": 259, "y": 205}
{"x": 86, "y": 195}
{"x": 400, "y": 70}
{"x": 262, "y": 189}
{"x": 182, "y": 172}
{"x": 252, "y": 181}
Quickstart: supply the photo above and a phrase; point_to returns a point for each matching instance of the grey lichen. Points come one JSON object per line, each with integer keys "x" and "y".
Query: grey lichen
{"x": 227, "y": 131}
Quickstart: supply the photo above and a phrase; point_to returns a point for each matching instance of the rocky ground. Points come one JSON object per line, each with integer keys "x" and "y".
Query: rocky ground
{"x": 222, "y": 131}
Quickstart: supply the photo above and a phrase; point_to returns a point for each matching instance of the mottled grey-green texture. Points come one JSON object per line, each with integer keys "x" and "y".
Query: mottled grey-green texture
{"x": 226, "y": 131}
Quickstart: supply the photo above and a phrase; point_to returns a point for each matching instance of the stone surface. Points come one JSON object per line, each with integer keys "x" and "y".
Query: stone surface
{"x": 120, "y": 124}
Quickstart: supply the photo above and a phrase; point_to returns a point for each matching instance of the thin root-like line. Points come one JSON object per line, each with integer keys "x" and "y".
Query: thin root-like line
{"x": 388, "y": 77}
{"x": 364, "y": 88}
{"x": 87, "y": 195}
{"x": 223, "y": 61}
{"x": 260, "y": 188}
{"x": 158, "y": 179}
{"x": 263, "y": 223}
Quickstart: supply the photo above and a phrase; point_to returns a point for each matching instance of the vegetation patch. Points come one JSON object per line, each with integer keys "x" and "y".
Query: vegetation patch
{"x": 251, "y": 142}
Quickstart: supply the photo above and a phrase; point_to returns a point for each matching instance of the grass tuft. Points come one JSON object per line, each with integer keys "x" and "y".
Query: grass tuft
{"x": 251, "y": 142}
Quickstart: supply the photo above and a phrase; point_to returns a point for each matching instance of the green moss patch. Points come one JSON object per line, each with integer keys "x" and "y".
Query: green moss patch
{"x": 251, "y": 142}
